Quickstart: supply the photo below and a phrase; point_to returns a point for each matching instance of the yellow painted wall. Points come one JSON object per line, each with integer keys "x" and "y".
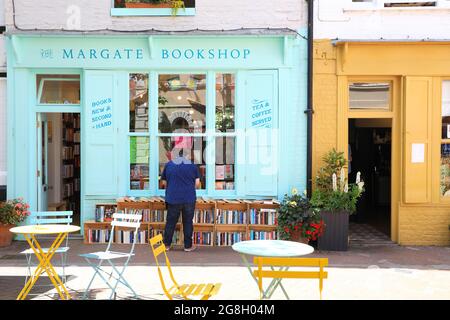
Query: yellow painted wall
{"x": 325, "y": 102}
{"x": 419, "y": 215}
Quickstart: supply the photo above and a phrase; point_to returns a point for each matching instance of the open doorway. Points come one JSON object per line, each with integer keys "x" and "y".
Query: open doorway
{"x": 370, "y": 154}
{"x": 59, "y": 163}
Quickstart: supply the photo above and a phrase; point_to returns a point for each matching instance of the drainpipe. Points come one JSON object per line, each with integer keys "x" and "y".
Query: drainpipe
{"x": 309, "y": 111}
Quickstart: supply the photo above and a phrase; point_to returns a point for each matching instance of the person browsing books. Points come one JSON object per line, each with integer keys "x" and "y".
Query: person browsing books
{"x": 181, "y": 178}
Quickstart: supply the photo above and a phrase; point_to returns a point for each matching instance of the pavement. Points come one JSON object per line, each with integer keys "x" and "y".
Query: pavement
{"x": 362, "y": 272}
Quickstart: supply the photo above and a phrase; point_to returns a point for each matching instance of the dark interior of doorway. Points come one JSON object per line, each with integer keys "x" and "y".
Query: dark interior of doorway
{"x": 64, "y": 159}
{"x": 370, "y": 154}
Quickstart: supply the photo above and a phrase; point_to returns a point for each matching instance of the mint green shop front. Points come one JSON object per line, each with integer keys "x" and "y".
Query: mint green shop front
{"x": 268, "y": 71}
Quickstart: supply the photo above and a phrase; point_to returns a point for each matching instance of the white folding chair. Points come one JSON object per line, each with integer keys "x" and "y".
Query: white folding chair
{"x": 50, "y": 217}
{"x": 121, "y": 220}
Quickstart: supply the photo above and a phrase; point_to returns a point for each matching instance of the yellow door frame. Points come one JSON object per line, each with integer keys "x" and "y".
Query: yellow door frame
{"x": 344, "y": 114}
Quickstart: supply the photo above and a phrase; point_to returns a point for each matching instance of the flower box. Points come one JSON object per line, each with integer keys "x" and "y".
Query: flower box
{"x": 148, "y": 5}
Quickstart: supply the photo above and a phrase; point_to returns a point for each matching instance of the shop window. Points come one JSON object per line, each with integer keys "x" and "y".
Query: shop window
{"x": 182, "y": 103}
{"x": 58, "y": 89}
{"x": 193, "y": 148}
{"x": 370, "y": 95}
{"x": 445, "y": 142}
{"x": 182, "y": 117}
{"x": 153, "y": 7}
{"x": 225, "y": 95}
{"x": 225, "y": 163}
{"x": 139, "y": 102}
{"x": 139, "y": 163}
{"x": 139, "y": 131}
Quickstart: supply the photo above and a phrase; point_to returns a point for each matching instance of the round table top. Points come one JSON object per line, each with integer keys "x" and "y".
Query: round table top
{"x": 45, "y": 229}
{"x": 272, "y": 248}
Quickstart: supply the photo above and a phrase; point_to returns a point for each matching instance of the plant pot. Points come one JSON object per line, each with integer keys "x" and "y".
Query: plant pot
{"x": 148, "y": 5}
{"x": 6, "y": 236}
{"x": 297, "y": 236}
{"x": 335, "y": 234}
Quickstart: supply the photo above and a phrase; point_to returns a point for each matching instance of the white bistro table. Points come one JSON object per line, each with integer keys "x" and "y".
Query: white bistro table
{"x": 271, "y": 248}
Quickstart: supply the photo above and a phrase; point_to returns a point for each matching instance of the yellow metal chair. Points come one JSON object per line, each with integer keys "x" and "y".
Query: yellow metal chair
{"x": 285, "y": 264}
{"x": 185, "y": 291}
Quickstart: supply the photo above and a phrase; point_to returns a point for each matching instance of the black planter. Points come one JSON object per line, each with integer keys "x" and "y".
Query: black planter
{"x": 335, "y": 234}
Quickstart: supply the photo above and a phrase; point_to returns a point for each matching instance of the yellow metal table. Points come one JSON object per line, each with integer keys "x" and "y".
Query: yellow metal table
{"x": 30, "y": 232}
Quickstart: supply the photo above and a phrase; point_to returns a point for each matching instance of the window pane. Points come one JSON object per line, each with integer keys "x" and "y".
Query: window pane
{"x": 193, "y": 149}
{"x": 445, "y": 169}
{"x": 225, "y": 93}
{"x": 58, "y": 89}
{"x": 225, "y": 156}
{"x": 364, "y": 95}
{"x": 446, "y": 110}
{"x": 182, "y": 103}
{"x": 138, "y": 102}
{"x": 139, "y": 161}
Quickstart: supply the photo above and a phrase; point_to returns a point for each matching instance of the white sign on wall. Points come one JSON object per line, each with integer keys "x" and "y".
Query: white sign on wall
{"x": 418, "y": 153}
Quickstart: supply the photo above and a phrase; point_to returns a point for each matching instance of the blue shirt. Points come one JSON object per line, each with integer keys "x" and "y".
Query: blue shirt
{"x": 180, "y": 175}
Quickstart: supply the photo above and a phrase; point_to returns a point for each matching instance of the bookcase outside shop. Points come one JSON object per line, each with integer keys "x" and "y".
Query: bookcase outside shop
{"x": 216, "y": 222}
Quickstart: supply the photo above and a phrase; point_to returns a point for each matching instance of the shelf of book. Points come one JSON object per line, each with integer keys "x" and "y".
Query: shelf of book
{"x": 216, "y": 222}
{"x": 262, "y": 221}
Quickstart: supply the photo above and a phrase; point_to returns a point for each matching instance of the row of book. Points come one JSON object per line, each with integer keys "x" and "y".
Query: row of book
{"x": 98, "y": 236}
{"x": 263, "y": 216}
{"x": 230, "y": 217}
{"x": 68, "y": 190}
{"x": 199, "y": 238}
{"x": 176, "y": 239}
{"x": 263, "y": 235}
{"x": 69, "y": 152}
{"x": 202, "y": 238}
{"x": 67, "y": 171}
{"x": 229, "y": 238}
{"x": 70, "y": 135}
{"x": 127, "y": 237}
{"x": 203, "y": 216}
{"x": 256, "y": 216}
{"x": 202, "y": 199}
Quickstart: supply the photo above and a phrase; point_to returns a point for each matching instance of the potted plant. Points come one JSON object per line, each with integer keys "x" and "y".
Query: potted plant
{"x": 336, "y": 200}
{"x": 12, "y": 212}
{"x": 297, "y": 221}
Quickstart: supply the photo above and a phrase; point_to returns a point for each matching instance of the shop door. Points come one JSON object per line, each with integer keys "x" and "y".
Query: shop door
{"x": 42, "y": 161}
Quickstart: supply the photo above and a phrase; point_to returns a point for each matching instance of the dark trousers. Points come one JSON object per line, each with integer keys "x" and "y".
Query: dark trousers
{"x": 173, "y": 213}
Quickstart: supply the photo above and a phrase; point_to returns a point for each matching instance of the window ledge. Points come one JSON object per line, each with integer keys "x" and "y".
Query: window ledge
{"x": 120, "y": 12}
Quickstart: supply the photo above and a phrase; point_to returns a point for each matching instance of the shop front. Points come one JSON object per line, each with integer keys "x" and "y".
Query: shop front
{"x": 92, "y": 118}
{"x": 385, "y": 105}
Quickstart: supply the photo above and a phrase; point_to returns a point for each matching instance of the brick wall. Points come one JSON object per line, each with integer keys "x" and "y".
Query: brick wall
{"x": 424, "y": 225}
{"x": 210, "y": 14}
